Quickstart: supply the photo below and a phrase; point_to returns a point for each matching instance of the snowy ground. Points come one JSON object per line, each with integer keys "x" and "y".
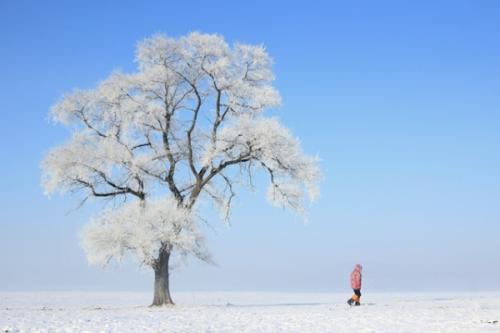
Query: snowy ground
{"x": 248, "y": 312}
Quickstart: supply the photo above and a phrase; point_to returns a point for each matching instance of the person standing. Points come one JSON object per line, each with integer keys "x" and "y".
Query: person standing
{"x": 356, "y": 286}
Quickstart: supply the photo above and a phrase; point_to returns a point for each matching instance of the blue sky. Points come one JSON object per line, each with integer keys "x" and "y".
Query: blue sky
{"x": 400, "y": 100}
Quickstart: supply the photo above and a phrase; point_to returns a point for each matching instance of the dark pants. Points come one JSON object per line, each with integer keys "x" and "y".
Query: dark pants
{"x": 357, "y": 292}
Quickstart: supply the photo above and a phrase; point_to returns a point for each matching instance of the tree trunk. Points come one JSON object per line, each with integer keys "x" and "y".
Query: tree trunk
{"x": 162, "y": 290}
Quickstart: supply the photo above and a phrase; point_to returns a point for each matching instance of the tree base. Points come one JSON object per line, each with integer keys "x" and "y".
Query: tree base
{"x": 165, "y": 305}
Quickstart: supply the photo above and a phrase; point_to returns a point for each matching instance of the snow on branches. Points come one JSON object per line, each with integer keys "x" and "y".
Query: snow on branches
{"x": 274, "y": 150}
{"x": 177, "y": 127}
{"x": 142, "y": 229}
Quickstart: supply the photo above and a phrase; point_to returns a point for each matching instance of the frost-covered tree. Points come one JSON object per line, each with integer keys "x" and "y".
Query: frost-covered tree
{"x": 187, "y": 126}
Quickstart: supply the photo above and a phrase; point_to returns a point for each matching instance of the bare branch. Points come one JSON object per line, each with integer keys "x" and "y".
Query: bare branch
{"x": 172, "y": 162}
{"x": 147, "y": 144}
{"x": 95, "y": 193}
{"x": 87, "y": 123}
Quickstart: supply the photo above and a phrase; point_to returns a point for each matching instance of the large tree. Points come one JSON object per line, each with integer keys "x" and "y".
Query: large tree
{"x": 187, "y": 126}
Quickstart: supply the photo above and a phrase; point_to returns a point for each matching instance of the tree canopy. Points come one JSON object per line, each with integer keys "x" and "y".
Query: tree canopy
{"x": 188, "y": 125}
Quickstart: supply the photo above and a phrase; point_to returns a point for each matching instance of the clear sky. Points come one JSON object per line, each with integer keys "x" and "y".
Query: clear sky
{"x": 400, "y": 99}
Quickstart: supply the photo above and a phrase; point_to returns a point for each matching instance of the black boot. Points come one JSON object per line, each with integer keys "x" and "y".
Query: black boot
{"x": 350, "y": 301}
{"x": 357, "y": 304}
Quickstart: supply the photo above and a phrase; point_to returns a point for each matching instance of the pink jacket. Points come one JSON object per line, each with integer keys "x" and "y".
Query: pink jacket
{"x": 356, "y": 277}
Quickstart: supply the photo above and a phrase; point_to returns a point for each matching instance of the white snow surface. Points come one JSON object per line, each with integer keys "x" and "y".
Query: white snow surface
{"x": 249, "y": 312}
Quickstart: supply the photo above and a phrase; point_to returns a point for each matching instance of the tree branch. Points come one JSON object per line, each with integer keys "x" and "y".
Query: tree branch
{"x": 99, "y": 194}
{"x": 172, "y": 162}
{"x": 191, "y": 130}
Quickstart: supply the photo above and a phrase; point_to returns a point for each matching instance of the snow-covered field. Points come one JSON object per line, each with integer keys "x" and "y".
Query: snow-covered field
{"x": 249, "y": 312}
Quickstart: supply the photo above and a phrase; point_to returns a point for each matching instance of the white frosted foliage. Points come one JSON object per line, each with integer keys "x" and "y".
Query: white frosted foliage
{"x": 141, "y": 229}
{"x": 189, "y": 125}
{"x": 292, "y": 173}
